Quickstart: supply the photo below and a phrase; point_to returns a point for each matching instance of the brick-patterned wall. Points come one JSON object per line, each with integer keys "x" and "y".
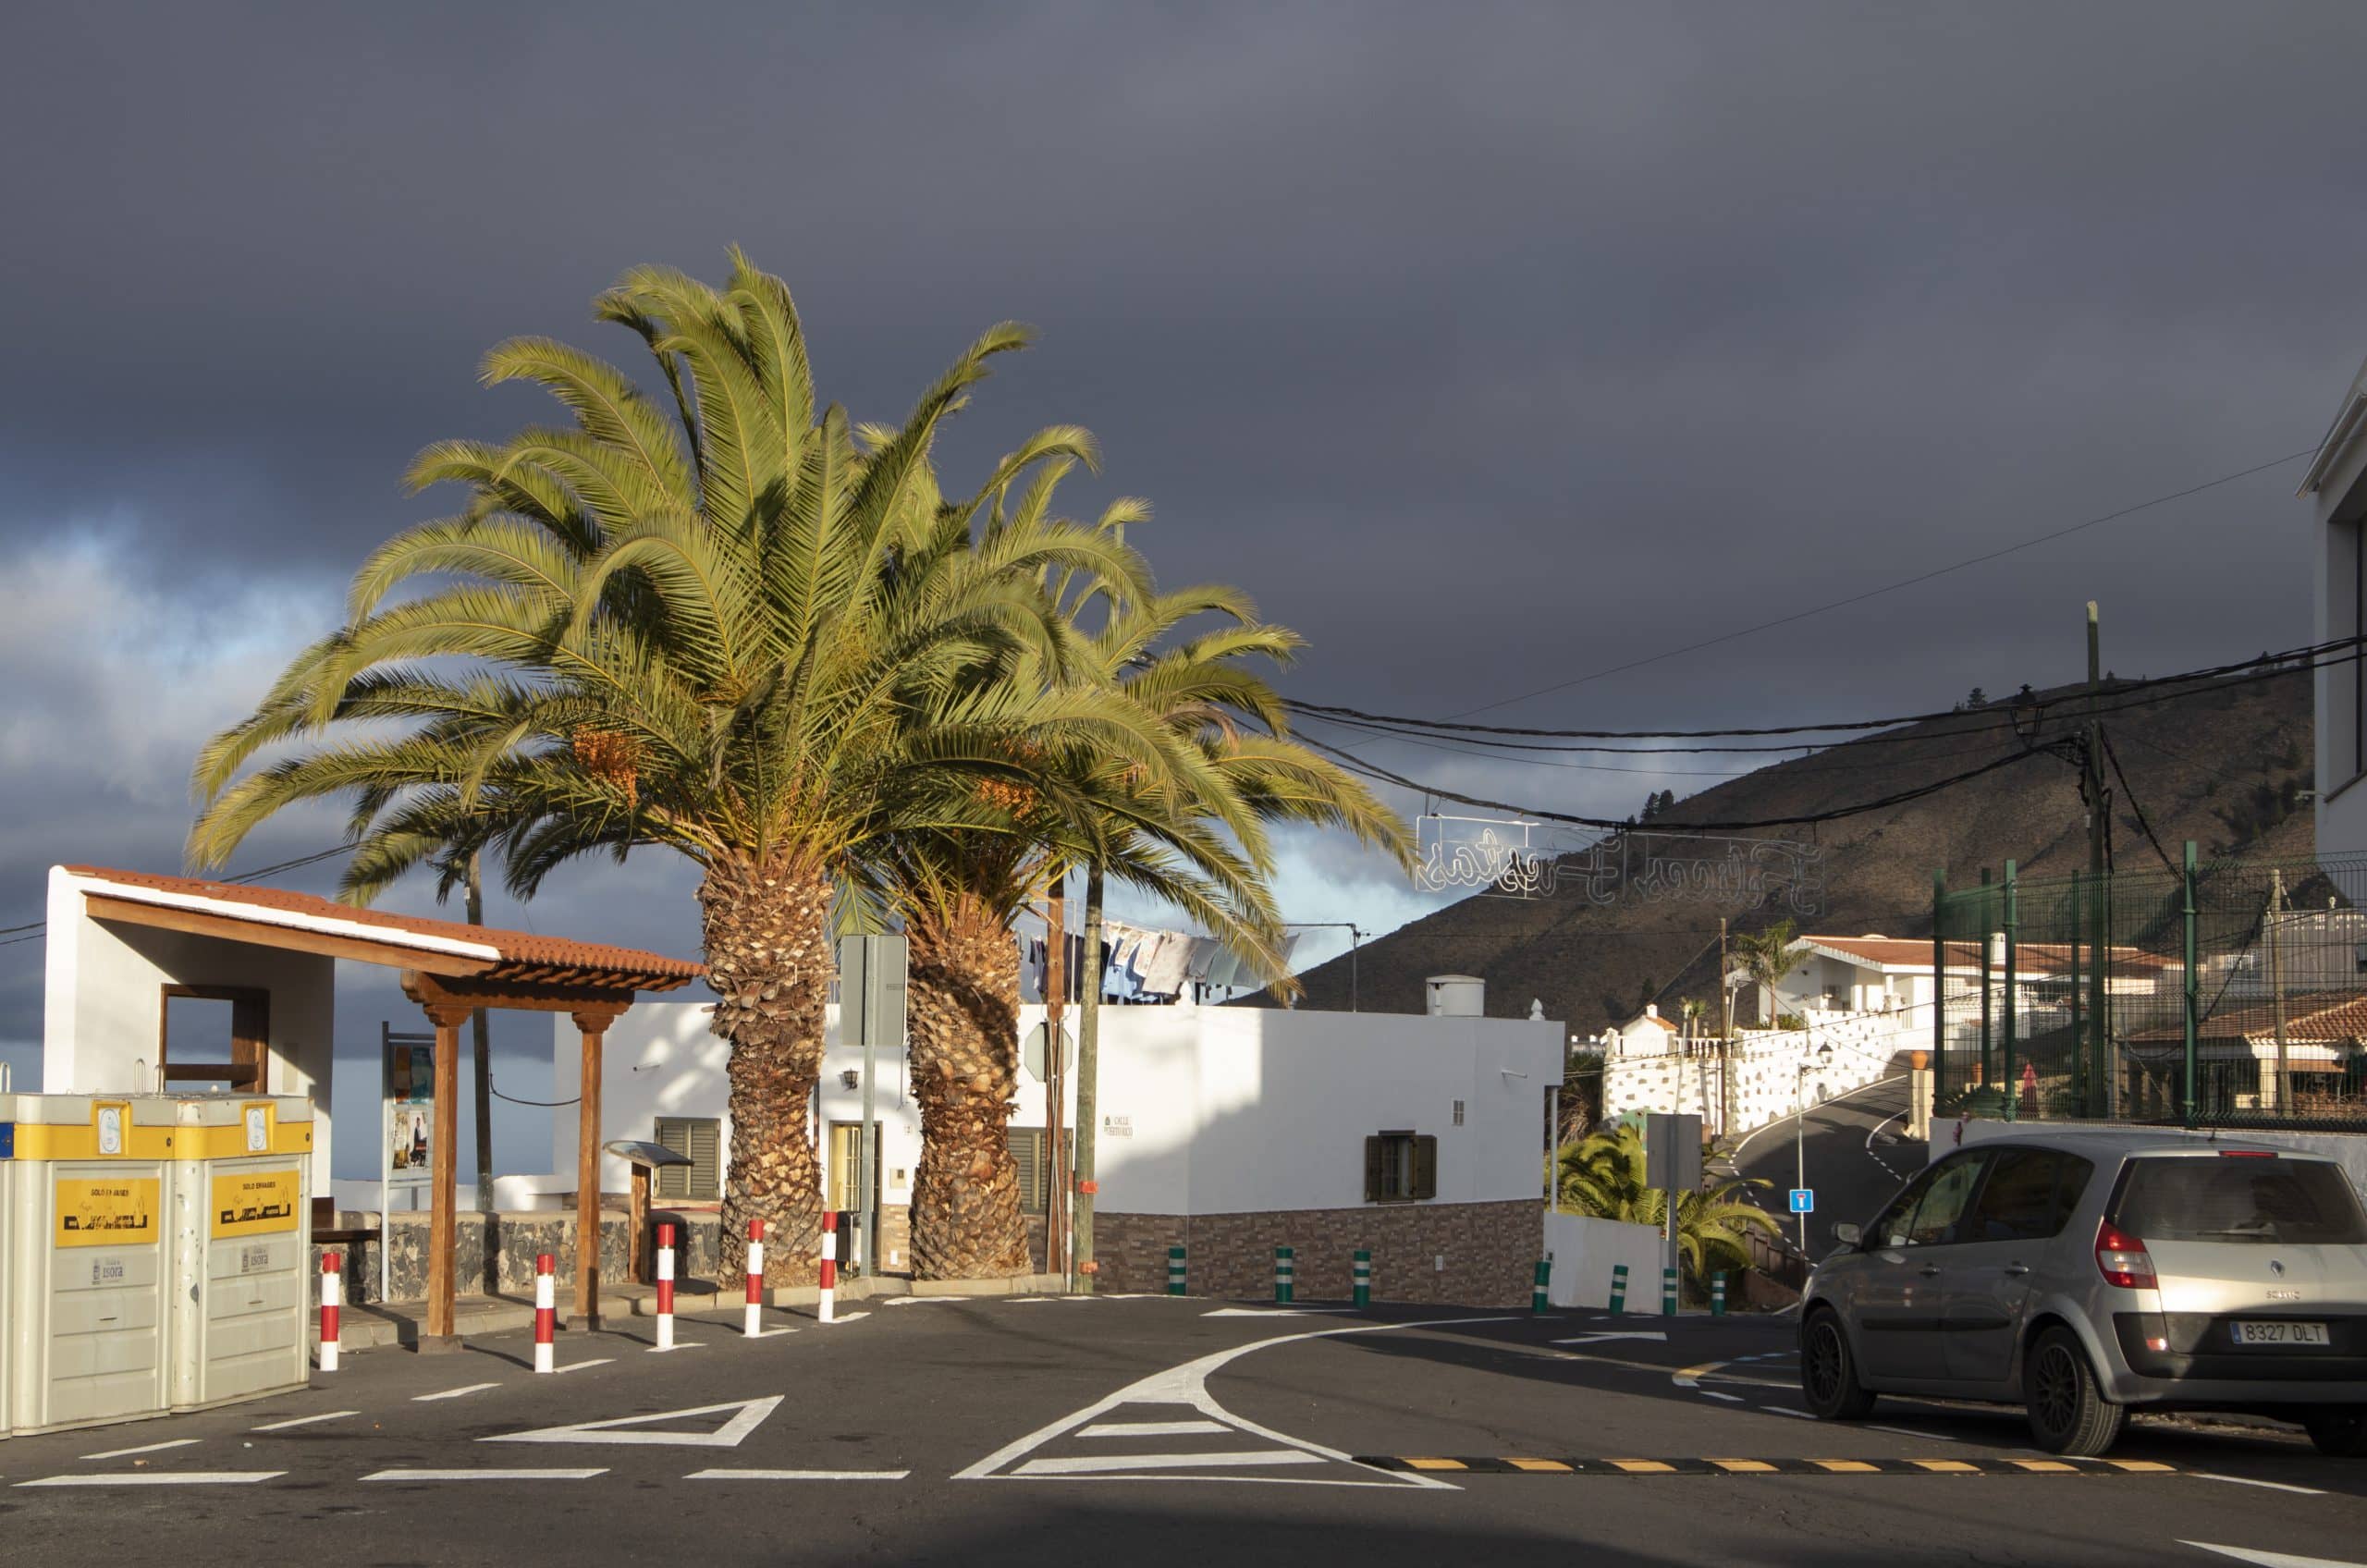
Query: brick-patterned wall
{"x": 1491, "y": 1249}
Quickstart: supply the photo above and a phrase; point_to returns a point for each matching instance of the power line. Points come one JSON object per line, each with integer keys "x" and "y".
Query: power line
{"x": 2049, "y": 537}
{"x": 2131, "y": 795}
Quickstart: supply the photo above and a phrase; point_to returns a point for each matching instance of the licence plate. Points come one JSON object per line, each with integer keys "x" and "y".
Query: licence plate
{"x": 2280, "y": 1333}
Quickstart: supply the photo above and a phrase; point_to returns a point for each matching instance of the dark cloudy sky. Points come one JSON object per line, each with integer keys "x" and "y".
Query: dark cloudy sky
{"x": 1488, "y": 346}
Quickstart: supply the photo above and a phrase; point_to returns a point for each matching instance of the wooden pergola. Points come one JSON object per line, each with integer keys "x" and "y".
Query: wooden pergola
{"x": 450, "y": 970}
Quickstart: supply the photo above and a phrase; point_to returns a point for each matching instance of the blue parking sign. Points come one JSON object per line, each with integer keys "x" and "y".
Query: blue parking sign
{"x": 1803, "y": 1200}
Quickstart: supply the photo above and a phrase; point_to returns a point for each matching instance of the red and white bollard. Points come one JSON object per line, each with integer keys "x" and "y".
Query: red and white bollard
{"x": 825, "y": 1308}
{"x": 332, "y": 1297}
{"x": 665, "y": 1287}
{"x": 756, "y": 1277}
{"x": 545, "y": 1311}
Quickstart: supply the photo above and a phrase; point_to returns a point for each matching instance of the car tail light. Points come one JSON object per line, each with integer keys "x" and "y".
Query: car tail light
{"x": 2247, "y": 1153}
{"x": 2122, "y": 1260}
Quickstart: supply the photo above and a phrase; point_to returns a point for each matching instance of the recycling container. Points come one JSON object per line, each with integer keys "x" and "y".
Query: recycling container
{"x": 241, "y": 1231}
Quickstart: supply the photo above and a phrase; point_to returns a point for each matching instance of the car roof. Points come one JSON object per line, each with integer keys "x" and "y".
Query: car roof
{"x": 2130, "y": 1142}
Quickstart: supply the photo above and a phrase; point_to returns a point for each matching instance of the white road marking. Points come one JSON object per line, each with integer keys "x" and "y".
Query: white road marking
{"x": 677, "y": 1344}
{"x": 1911, "y": 1432}
{"x": 161, "y": 1478}
{"x": 2273, "y": 1558}
{"x": 1188, "y": 1385}
{"x": 454, "y": 1393}
{"x": 1278, "y": 1312}
{"x": 483, "y": 1474}
{"x": 752, "y": 1413}
{"x": 580, "y": 1365}
{"x": 1713, "y": 1394}
{"x": 1101, "y": 1464}
{"x": 1598, "y": 1338}
{"x": 1015, "y": 1301}
{"x": 2248, "y": 1481}
{"x": 1151, "y": 1429}
{"x": 144, "y": 1448}
{"x": 1735, "y": 1158}
{"x": 1786, "y": 1410}
{"x": 850, "y": 1316}
{"x": 798, "y": 1475}
{"x": 304, "y": 1421}
{"x": 1691, "y": 1376}
{"x": 917, "y": 1300}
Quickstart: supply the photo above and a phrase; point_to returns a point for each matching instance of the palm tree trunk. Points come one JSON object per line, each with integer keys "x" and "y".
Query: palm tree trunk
{"x": 766, "y": 929}
{"x": 963, "y": 1015}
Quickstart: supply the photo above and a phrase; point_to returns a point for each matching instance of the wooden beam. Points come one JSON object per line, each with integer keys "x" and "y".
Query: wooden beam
{"x": 595, "y": 1025}
{"x": 521, "y": 995}
{"x": 261, "y": 933}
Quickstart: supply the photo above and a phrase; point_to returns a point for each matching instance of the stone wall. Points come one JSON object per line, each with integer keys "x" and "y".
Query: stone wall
{"x": 494, "y": 1254}
{"x": 1764, "y": 1072}
{"x": 1491, "y": 1251}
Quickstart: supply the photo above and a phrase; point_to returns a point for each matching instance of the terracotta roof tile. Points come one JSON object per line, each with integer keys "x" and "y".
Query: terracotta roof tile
{"x": 523, "y": 949}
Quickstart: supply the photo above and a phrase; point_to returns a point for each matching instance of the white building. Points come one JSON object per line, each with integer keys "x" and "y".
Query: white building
{"x": 2336, "y": 486}
{"x": 1227, "y": 1130}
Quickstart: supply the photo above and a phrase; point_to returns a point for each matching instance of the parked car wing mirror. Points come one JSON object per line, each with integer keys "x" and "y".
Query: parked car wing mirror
{"x": 1848, "y": 1235}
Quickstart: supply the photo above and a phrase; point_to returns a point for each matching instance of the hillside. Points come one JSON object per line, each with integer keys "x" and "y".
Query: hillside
{"x": 2222, "y": 765}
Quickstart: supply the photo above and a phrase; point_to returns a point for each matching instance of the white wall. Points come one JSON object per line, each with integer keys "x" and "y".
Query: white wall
{"x": 1204, "y": 1111}
{"x": 1585, "y": 1249}
{"x": 1768, "y": 1082}
{"x": 102, "y": 1007}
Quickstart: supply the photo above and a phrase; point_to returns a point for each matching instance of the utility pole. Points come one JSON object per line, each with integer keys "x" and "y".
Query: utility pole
{"x": 1088, "y": 1097}
{"x": 2102, "y": 1068}
{"x": 1725, "y": 1039}
{"x": 2272, "y": 920}
{"x": 1056, "y": 992}
{"x": 472, "y": 893}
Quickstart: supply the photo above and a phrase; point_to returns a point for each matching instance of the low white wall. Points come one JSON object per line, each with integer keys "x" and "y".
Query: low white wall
{"x": 1203, "y": 1110}
{"x": 1768, "y": 1083}
{"x": 102, "y": 1007}
{"x": 1584, "y": 1250}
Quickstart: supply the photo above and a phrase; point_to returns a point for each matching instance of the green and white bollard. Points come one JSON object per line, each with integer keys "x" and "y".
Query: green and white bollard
{"x": 1361, "y": 1275}
{"x": 1283, "y": 1269}
{"x": 1718, "y": 1294}
{"x": 1175, "y": 1271}
{"x": 1618, "y": 1287}
{"x": 1668, "y": 1292}
{"x": 1537, "y": 1292}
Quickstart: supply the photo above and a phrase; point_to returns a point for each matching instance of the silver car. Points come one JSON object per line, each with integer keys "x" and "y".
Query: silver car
{"x": 2081, "y": 1274}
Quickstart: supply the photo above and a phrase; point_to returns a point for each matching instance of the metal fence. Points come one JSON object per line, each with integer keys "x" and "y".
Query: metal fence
{"x": 2224, "y": 994}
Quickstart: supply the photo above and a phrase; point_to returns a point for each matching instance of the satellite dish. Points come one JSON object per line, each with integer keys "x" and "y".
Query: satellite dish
{"x": 1033, "y": 1057}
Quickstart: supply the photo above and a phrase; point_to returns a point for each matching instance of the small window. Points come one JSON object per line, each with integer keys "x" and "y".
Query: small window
{"x": 1401, "y": 1168}
{"x": 1027, "y": 1152}
{"x": 1943, "y": 1202}
{"x": 702, "y": 1139}
{"x": 2016, "y": 1203}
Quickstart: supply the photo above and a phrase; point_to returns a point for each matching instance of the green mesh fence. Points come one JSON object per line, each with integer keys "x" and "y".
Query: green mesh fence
{"x": 2232, "y": 994}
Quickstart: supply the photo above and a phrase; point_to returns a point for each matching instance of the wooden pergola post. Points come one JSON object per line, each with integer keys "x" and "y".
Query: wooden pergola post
{"x": 594, "y": 1022}
{"x": 436, "y": 1334}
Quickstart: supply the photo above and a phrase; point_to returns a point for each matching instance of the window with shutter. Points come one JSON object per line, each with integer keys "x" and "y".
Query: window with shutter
{"x": 1375, "y": 1172}
{"x": 1426, "y": 1167}
{"x": 701, "y": 1138}
{"x": 1027, "y": 1152}
{"x": 1400, "y": 1167}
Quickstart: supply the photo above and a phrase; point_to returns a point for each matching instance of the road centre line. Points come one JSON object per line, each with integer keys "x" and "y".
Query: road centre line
{"x": 304, "y": 1421}
{"x": 144, "y": 1448}
{"x": 797, "y": 1474}
{"x": 160, "y": 1478}
{"x": 483, "y": 1474}
{"x": 454, "y": 1393}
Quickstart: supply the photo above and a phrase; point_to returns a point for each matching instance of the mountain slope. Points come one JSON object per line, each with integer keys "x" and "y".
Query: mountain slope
{"x": 2226, "y": 764}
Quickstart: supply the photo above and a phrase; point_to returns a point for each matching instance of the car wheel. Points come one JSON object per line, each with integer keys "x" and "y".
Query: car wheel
{"x": 2340, "y": 1430}
{"x": 1829, "y": 1373}
{"x": 2069, "y": 1413}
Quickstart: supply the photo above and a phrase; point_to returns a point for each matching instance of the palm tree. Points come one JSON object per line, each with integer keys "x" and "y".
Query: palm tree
{"x": 1765, "y": 957}
{"x": 1603, "y": 1174}
{"x": 724, "y": 628}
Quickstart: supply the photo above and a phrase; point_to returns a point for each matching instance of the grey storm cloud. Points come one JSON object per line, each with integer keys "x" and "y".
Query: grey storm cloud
{"x": 1488, "y": 346}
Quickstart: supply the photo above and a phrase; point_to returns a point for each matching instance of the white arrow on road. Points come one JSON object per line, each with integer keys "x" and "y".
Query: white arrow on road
{"x": 752, "y": 1412}
{"x": 2273, "y": 1558}
{"x": 1597, "y": 1339}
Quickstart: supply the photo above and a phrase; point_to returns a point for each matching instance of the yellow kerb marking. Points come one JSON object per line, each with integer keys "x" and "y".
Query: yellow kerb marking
{"x": 1644, "y": 1466}
{"x": 1745, "y": 1466}
{"x": 1537, "y": 1464}
{"x": 2047, "y": 1467}
{"x": 2142, "y": 1466}
{"x": 1437, "y": 1464}
{"x": 1846, "y": 1467}
{"x": 1947, "y": 1466}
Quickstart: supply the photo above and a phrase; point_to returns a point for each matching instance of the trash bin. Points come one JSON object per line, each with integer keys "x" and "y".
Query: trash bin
{"x": 89, "y": 1181}
{"x": 241, "y": 1229}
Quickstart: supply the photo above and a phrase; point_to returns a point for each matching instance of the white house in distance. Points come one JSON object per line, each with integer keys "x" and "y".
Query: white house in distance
{"x": 2336, "y": 486}
{"x": 1229, "y": 1131}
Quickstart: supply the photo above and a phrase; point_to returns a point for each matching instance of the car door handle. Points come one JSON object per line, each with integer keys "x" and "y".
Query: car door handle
{"x": 2018, "y": 1269}
{"x": 1929, "y": 1269}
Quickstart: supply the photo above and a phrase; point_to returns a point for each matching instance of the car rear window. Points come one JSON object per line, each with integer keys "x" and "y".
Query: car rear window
{"x": 2295, "y": 1202}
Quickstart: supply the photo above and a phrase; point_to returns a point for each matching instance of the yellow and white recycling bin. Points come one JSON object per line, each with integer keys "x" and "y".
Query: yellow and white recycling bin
{"x": 241, "y": 1222}
{"x": 83, "y": 1312}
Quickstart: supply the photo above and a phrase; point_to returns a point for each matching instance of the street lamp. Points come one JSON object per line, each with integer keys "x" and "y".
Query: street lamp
{"x": 1800, "y": 1129}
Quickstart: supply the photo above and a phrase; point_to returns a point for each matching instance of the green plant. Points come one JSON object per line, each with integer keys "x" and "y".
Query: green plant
{"x": 1603, "y": 1174}
{"x": 1764, "y": 956}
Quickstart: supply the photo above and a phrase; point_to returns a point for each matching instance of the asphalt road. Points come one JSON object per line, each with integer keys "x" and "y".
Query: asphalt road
{"x": 1143, "y": 1430}
{"x": 1858, "y": 1154}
